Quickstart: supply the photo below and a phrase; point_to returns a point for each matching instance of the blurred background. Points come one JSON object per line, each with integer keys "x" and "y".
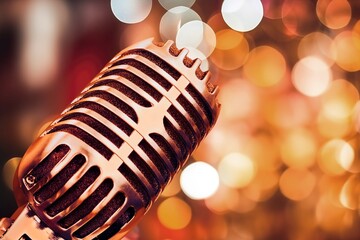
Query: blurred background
{"x": 282, "y": 161}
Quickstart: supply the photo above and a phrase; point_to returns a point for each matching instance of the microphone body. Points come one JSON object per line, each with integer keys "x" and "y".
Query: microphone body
{"x": 97, "y": 169}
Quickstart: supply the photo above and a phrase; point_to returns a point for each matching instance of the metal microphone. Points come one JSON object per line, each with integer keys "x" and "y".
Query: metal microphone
{"x": 97, "y": 169}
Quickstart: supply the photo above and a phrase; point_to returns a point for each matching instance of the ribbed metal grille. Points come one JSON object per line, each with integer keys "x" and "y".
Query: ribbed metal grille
{"x": 130, "y": 131}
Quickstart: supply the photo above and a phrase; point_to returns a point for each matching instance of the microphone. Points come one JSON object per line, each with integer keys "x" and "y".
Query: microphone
{"x": 97, "y": 169}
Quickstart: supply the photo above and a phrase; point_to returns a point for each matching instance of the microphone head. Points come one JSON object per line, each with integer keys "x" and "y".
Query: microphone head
{"x": 97, "y": 169}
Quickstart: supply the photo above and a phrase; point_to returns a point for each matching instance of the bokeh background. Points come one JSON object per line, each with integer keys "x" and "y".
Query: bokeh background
{"x": 282, "y": 161}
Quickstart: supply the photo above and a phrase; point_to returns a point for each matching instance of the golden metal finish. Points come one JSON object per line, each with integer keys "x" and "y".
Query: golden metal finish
{"x": 155, "y": 130}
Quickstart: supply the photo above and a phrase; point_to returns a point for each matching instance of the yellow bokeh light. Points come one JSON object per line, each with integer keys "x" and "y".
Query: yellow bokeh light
{"x": 174, "y": 213}
{"x": 346, "y": 45}
{"x": 8, "y": 171}
{"x": 336, "y": 156}
{"x": 339, "y": 127}
{"x": 340, "y": 100}
{"x": 311, "y": 76}
{"x": 349, "y": 195}
{"x": 236, "y": 170}
{"x": 265, "y": 67}
{"x": 199, "y": 180}
{"x": 334, "y": 14}
{"x": 242, "y": 15}
{"x": 299, "y": 148}
{"x": 297, "y": 184}
{"x": 231, "y": 50}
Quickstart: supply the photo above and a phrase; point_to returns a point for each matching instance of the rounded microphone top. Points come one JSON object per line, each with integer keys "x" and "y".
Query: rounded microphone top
{"x": 96, "y": 170}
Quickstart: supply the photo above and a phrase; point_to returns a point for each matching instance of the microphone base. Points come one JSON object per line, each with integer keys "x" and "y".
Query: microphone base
{"x": 27, "y": 226}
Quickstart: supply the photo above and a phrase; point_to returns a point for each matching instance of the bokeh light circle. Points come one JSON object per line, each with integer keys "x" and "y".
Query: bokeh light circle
{"x": 297, "y": 184}
{"x": 9, "y": 169}
{"x": 349, "y": 195}
{"x": 336, "y": 156}
{"x": 299, "y": 148}
{"x": 133, "y": 11}
{"x": 334, "y": 14}
{"x": 196, "y": 34}
{"x": 339, "y": 100}
{"x": 174, "y": 213}
{"x": 265, "y": 66}
{"x": 199, "y": 180}
{"x": 346, "y": 46}
{"x": 236, "y": 170}
{"x": 168, "y": 4}
{"x": 311, "y": 76}
{"x": 242, "y": 15}
{"x": 317, "y": 44}
{"x": 232, "y": 49}
{"x": 174, "y": 19}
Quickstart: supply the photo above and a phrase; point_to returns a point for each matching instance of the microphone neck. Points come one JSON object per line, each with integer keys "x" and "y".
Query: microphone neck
{"x": 27, "y": 226}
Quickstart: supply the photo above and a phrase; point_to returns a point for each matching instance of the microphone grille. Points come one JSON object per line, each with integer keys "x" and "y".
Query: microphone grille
{"x": 99, "y": 166}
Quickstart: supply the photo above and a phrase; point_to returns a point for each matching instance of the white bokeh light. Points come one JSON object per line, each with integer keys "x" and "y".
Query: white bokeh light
{"x": 311, "y": 76}
{"x": 168, "y": 4}
{"x": 197, "y": 34}
{"x": 174, "y": 19}
{"x": 242, "y": 15}
{"x": 133, "y": 11}
{"x": 199, "y": 180}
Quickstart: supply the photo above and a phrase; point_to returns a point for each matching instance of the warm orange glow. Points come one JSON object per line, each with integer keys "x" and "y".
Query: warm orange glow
{"x": 339, "y": 100}
{"x": 336, "y": 156}
{"x": 347, "y": 48}
{"x": 240, "y": 94}
{"x": 229, "y": 200}
{"x": 8, "y": 171}
{"x": 298, "y": 17}
{"x": 236, "y": 170}
{"x": 334, "y": 14}
{"x": 282, "y": 161}
{"x": 263, "y": 187}
{"x": 174, "y": 213}
{"x": 339, "y": 127}
{"x": 299, "y": 148}
{"x": 332, "y": 218}
{"x": 316, "y": 44}
{"x": 231, "y": 50}
{"x": 349, "y": 195}
{"x": 264, "y": 150}
{"x": 297, "y": 184}
{"x": 272, "y": 65}
{"x": 289, "y": 110}
{"x": 173, "y": 188}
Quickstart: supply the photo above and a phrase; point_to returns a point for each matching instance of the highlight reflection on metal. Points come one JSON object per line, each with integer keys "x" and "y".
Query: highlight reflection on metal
{"x": 96, "y": 170}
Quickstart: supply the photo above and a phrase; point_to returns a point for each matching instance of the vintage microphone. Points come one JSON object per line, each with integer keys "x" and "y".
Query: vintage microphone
{"x": 97, "y": 169}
